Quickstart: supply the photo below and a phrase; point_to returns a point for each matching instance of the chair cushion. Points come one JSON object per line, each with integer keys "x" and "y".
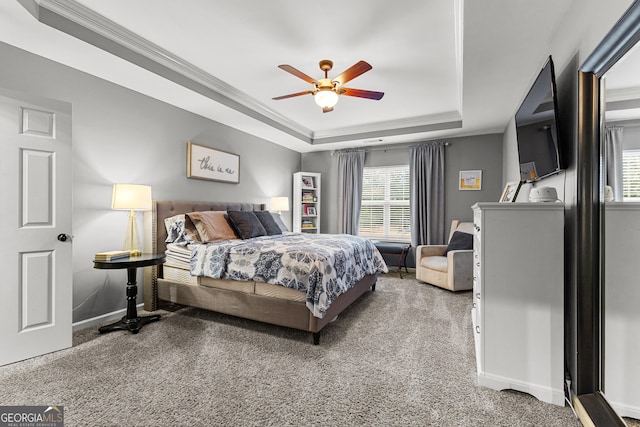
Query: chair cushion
{"x": 460, "y": 241}
{"x": 437, "y": 263}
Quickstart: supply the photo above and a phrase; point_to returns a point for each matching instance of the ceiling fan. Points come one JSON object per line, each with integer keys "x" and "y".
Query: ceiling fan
{"x": 326, "y": 90}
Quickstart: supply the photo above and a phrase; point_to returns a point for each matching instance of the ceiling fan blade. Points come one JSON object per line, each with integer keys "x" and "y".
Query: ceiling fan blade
{"x": 291, "y": 95}
{"x": 369, "y": 94}
{"x": 297, "y": 73}
{"x": 352, "y": 72}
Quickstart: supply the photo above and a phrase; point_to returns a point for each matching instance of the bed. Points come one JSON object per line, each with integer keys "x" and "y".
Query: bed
{"x": 251, "y": 299}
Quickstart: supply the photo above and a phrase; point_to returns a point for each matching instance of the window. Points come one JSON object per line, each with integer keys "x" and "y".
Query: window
{"x": 384, "y": 213}
{"x": 631, "y": 175}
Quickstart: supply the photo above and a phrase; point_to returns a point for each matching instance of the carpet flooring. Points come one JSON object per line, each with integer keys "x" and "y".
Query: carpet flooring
{"x": 400, "y": 356}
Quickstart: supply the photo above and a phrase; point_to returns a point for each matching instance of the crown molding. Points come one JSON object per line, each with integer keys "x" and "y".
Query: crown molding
{"x": 399, "y": 124}
{"x": 624, "y": 94}
{"x": 404, "y": 127}
{"x": 49, "y": 12}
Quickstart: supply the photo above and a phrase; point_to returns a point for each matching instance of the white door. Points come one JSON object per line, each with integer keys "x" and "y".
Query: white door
{"x": 35, "y": 224}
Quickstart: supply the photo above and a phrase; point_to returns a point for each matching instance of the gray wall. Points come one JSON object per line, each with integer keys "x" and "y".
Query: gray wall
{"x": 483, "y": 152}
{"x": 631, "y": 136}
{"x": 120, "y": 136}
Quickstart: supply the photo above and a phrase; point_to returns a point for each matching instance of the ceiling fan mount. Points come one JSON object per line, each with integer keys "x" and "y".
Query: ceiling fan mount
{"x": 326, "y": 65}
{"x": 326, "y": 90}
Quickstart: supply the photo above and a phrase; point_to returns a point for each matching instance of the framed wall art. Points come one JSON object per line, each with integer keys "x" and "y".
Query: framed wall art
{"x": 211, "y": 164}
{"x": 470, "y": 180}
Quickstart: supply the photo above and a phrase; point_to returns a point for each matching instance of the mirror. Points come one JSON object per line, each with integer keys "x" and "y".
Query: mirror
{"x": 620, "y": 152}
{"x": 606, "y": 242}
{"x": 621, "y": 136}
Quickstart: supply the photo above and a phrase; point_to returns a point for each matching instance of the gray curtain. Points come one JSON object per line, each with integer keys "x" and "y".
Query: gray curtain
{"x": 350, "y": 167}
{"x": 426, "y": 168}
{"x": 613, "y": 156}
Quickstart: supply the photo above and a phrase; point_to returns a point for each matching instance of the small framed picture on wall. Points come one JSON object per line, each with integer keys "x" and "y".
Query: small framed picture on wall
{"x": 470, "y": 180}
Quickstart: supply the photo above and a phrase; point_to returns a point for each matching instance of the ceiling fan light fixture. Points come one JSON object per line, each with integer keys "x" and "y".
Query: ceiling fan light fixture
{"x": 326, "y": 91}
{"x": 326, "y": 98}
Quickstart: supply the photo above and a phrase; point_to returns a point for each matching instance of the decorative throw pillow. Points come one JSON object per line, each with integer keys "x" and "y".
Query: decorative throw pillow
{"x": 171, "y": 227}
{"x": 246, "y": 224}
{"x": 211, "y": 226}
{"x": 278, "y": 220}
{"x": 176, "y": 232}
{"x": 267, "y": 221}
{"x": 168, "y": 222}
{"x": 460, "y": 241}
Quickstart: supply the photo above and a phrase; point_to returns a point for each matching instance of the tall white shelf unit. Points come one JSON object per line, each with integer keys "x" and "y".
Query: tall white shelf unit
{"x": 518, "y": 297}
{"x": 306, "y": 202}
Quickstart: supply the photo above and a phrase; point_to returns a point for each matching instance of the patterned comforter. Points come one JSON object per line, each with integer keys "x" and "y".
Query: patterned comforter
{"x": 322, "y": 265}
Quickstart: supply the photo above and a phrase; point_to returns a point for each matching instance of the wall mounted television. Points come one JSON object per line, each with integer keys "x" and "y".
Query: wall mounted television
{"x": 537, "y": 128}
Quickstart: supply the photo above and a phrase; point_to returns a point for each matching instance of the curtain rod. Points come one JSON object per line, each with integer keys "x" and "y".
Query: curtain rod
{"x": 369, "y": 149}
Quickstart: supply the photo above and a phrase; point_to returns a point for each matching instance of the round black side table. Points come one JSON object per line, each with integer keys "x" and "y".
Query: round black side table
{"x": 131, "y": 321}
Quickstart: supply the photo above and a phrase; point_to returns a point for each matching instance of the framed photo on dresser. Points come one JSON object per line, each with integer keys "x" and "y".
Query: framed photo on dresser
{"x": 510, "y": 192}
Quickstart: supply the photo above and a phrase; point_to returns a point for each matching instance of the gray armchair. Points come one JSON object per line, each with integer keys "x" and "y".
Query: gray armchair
{"x": 452, "y": 270}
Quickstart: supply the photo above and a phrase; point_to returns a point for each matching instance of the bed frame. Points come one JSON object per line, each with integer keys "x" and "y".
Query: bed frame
{"x": 277, "y": 311}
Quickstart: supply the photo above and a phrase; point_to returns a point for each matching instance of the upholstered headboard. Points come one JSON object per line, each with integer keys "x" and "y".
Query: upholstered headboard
{"x": 167, "y": 208}
{"x": 155, "y": 232}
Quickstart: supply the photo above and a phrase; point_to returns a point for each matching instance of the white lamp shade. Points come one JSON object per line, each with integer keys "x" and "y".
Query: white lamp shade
{"x": 279, "y": 204}
{"x": 326, "y": 98}
{"x": 131, "y": 197}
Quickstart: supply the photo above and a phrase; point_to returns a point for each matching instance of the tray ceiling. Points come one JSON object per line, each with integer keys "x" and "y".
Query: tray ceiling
{"x": 447, "y": 68}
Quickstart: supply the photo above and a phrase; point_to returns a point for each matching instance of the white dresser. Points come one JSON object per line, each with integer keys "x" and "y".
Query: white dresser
{"x": 518, "y": 297}
{"x": 621, "y": 313}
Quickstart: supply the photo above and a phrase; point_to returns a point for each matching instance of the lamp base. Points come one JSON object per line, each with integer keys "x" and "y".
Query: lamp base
{"x": 131, "y": 239}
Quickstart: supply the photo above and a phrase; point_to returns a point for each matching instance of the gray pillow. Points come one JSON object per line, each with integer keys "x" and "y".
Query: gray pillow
{"x": 460, "y": 241}
{"x": 246, "y": 224}
{"x": 278, "y": 219}
{"x": 267, "y": 221}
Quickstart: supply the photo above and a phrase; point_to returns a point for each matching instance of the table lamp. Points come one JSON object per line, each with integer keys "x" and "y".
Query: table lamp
{"x": 279, "y": 204}
{"x": 131, "y": 197}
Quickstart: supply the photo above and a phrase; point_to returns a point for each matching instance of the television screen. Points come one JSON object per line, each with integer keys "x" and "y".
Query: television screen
{"x": 537, "y": 128}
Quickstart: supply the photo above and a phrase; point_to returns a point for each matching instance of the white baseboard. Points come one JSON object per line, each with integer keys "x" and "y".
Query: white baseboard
{"x": 99, "y": 320}
{"x": 626, "y": 409}
{"x": 544, "y": 392}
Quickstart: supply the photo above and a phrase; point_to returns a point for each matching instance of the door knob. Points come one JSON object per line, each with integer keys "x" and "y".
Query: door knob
{"x": 63, "y": 237}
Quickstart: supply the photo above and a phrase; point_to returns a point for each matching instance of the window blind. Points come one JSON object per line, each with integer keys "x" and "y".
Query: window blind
{"x": 631, "y": 175}
{"x": 385, "y": 213}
